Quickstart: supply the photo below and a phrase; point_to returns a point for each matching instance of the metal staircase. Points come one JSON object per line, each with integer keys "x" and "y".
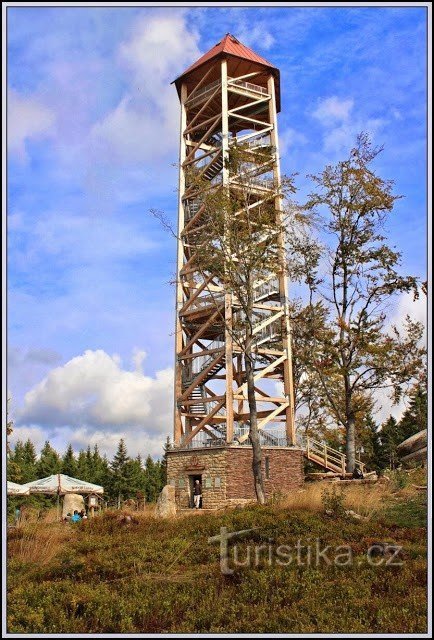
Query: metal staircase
{"x": 200, "y": 363}
{"x": 214, "y": 168}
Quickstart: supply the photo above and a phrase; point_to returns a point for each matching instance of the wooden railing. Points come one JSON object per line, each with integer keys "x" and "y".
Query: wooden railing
{"x": 328, "y": 457}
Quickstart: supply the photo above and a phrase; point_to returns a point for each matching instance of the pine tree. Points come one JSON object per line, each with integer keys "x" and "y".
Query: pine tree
{"x": 373, "y": 454}
{"x": 415, "y": 418}
{"x": 154, "y": 479}
{"x": 24, "y": 457}
{"x": 14, "y": 464}
{"x": 49, "y": 461}
{"x": 119, "y": 481}
{"x": 100, "y": 469}
{"x": 69, "y": 463}
{"x": 83, "y": 471}
{"x": 390, "y": 436}
{"x": 135, "y": 475}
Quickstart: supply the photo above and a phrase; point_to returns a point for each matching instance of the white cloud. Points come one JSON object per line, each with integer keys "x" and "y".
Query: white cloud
{"x": 33, "y": 433}
{"x": 27, "y": 119}
{"x": 341, "y": 125}
{"x": 257, "y": 35}
{"x": 290, "y": 138}
{"x": 407, "y": 306}
{"x": 92, "y": 392}
{"x": 333, "y": 109}
{"x": 144, "y": 124}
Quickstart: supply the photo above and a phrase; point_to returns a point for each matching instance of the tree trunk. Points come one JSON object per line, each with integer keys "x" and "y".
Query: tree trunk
{"x": 351, "y": 443}
{"x": 254, "y": 433}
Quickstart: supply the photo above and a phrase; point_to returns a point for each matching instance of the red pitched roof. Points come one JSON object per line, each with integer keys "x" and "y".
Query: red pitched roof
{"x": 232, "y": 46}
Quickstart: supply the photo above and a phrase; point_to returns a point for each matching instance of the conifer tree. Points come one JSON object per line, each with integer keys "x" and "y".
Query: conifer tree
{"x": 49, "y": 461}
{"x": 69, "y": 463}
{"x": 119, "y": 481}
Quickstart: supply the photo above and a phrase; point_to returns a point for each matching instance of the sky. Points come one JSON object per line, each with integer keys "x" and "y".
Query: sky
{"x": 93, "y": 129}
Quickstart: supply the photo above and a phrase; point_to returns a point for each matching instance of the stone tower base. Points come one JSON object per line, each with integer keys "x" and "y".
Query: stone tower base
{"x": 226, "y": 474}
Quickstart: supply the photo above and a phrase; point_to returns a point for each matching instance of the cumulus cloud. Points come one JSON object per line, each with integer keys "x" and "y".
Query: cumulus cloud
{"x": 341, "y": 125}
{"x": 407, "y": 306}
{"x": 333, "y": 109}
{"x": 144, "y": 124}
{"x": 28, "y": 119}
{"x": 257, "y": 35}
{"x": 290, "y": 138}
{"x": 93, "y": 392}
{"x": 32, "y": 433}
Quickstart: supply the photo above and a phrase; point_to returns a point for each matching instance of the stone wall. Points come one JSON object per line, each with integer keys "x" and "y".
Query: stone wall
{"x": 210, "y": 464}
{"x": 285, "y": 471}
{"x": 227, "y": 474}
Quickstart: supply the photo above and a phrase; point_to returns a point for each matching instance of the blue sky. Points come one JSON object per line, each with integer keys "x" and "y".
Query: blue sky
{"x": 92, "y": 147}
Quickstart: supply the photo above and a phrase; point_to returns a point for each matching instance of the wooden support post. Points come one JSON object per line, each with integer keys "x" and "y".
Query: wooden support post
{"x": 283, "y": 283}
{"x": 177, "y": 430}
{"x": 228, "y": 296}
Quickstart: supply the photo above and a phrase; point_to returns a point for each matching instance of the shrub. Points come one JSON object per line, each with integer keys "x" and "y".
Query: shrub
{"x": 333, "y": 502}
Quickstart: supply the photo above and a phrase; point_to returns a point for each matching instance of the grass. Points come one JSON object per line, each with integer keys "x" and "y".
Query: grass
{"x": 162, "y": 576}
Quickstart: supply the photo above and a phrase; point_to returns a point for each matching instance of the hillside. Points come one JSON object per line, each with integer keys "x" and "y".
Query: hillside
{"x": 154, "y": 576}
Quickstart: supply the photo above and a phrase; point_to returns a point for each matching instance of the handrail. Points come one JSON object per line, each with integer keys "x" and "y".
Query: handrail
{"x": 328, "y": 455}
{"x": 247, "y": 85}
{"x": 199, "y": 363}
{"x": 201, "y": 93}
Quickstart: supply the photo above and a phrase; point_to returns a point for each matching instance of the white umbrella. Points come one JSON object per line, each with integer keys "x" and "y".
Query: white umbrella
{"x": 60, "y": 484}
{"x": 15, "y": 489}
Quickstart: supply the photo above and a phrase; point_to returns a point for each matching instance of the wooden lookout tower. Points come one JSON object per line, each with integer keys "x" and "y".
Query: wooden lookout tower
{"x": 229, "y": 96}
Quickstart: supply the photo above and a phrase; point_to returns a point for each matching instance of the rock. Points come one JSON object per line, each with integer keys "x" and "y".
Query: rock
{"x": 166, "y": 505}
{"x": 72, "y": 502}
{"x": 354, "y": 515}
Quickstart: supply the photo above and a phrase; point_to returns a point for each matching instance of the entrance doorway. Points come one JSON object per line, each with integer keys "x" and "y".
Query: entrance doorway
{"x": 193, "y": 479}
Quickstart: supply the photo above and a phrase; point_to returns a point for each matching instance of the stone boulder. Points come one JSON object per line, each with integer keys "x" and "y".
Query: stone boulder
{"x": 72, "y": 502}
{"x": 166, "y": 505}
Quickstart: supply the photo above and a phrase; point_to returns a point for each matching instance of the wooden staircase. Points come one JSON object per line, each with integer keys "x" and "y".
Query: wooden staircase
{"x": 327, "y": 457}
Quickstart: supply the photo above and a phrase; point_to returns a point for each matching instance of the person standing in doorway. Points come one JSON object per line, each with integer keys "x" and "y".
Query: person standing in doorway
{"x": 197, "y": 494}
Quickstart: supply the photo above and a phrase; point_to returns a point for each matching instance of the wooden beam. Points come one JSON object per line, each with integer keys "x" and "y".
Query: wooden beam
{"x": 177, "y": 423}
{"x": 201, "y": 331}
{"x": 288, "y": 375}
{"x": 197, "y": 293}
{"x": 199, "y": 84}
{"x": 266, "y": 420}
{"x": 201, "y": 376}
{"x": 262, "y": 373}
{"x": 203, "y": 422}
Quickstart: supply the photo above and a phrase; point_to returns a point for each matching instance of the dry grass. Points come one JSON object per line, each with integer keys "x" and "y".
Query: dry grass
{"x": 365, "y": 499}
{"x": 37, "y": 543}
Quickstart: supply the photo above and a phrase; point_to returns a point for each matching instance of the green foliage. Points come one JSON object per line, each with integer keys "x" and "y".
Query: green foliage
{"x": 22, "y": 462}
{"x": 122, "y": 479}
{"x": 415, "y": 418}
{"x": 333, "y": 500}
{"x": 69, "y": 463}
{"x": 49, "y": 462}
{"x": 164, "y": 577}
{"x": 390, "y": 438}
{"x": 351, "y": 274}
{"x": 411, "y": 513}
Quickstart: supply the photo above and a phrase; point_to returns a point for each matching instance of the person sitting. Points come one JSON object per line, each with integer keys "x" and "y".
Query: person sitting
{"x": 67, "y": 518}
{"x": 83, "y": 514}
{"x": 76, "y": 517}
{"x": 357, "y": 473}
